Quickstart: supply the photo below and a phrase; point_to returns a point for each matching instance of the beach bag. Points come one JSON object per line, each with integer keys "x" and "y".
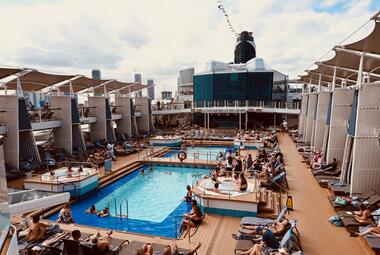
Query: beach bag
{"x": 336, "y": 220}
{"x": 340, "y": 201}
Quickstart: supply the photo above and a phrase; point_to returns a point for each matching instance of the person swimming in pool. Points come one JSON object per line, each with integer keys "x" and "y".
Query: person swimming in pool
{"x": 92, "y": 210}
{"x": 105, "y": 212}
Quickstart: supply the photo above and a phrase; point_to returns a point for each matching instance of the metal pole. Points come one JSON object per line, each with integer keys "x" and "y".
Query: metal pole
{"x": 319, "y": 83}
{"x": 246, "y": 120}
{"x": 360, "y": 73}
{"x": 239, "y": 120}
{"x": 334, "y": 80}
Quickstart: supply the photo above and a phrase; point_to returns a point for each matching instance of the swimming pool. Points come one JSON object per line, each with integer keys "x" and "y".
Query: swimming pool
{"x": 203, "y": 153}
{"x": 154, "y": 199}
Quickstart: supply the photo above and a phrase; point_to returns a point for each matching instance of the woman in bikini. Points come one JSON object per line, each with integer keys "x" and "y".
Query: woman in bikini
{"x": 194, "y": 218}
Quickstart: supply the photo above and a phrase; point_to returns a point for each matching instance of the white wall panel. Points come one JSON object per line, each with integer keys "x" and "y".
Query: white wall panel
{"x": 310, "y": 117}
{"x": 320, "y": 122}
{"x": 302, "y": 118}
{"x": 366, "y": 151}
{"x": 340, "y": 113}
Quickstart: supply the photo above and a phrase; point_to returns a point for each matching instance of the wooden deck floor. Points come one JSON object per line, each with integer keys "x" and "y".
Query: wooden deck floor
{"x": 312, "y": 209}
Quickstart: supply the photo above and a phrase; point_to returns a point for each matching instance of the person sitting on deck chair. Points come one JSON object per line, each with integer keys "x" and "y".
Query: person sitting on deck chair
{"x": 147, "y": 249}
{"x": 194, "y": 218}
{"x": 101, "y": 242}
{"x": 371, "y": 230}
{"x": 269, "y": 242}
{"x": 278, "y": 228}
{"x": 37, "y": 230}
{"x": 332, "y": 166}
{"x": 363, "y": 216}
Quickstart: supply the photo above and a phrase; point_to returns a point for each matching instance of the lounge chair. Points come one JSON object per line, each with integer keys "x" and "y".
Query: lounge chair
{"x": 350, "y": 223}
{"x": 263, "y": 221}
{"x": 349, "y": 206}
{"x": 132, "y": 247}
{"x": 338, "y": 188}
{"x": 290, "y": 241}
{"x": 324, "y": 180}
{"x": 88, "y": 248}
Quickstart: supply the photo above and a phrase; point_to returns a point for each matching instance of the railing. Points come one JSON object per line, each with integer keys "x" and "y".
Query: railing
{"x": 42, "y": 115}
{"x": 84, "y": 111}
{"x": 120, "y": 214}
{"x": 208, "y": 157}
{"x": 246, "y": 103}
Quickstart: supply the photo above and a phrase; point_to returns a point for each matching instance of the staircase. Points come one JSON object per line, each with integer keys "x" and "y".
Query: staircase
{"x": 270, "y": 203}
{"x": 117, "y": 174}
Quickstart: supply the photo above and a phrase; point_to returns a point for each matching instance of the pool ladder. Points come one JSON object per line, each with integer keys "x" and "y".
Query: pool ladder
{"x": 120, "y": 214}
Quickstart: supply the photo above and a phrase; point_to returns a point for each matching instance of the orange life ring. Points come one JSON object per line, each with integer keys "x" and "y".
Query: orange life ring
{"x": 182, "y": 155}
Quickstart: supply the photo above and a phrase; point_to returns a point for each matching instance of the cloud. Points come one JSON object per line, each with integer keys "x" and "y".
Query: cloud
{"x": 158, "y": 38}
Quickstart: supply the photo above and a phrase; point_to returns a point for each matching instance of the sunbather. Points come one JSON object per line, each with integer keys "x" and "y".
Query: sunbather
{"x": 37, "y": 230}
{"x": 194, "y": 218}
{"x": 364, "y": 215}
{"x": 277, "y": 228}
{"x": 269, "y": 242}
{"x": 372, "y": 230}
{"x": 174, "y": 251}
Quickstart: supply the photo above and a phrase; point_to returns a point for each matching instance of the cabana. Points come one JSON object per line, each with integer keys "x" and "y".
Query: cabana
{"x": 351, "y": 113}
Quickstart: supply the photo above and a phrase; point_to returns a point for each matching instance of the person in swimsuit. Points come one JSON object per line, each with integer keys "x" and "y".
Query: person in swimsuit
{"x": 243, "y": 182}
{"x": 363, "y": 216}
{"x": 105, "y": 212}
{"x": 189, "y": 194}
{"x": 194, "y": 218}
{"x": 37, "y": 230}
{"x": 92, "y": 210}
{"x": 65, "y": 215}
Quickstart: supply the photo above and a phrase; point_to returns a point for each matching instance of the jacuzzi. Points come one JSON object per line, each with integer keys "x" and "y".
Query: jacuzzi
{"x": 233, "y": 203}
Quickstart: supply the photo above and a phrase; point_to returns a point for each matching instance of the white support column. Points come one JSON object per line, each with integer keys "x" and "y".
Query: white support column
{"x": 246, "y": 120}
{"x": 309, "y": 86}
{"x": 319, "y": 83}
{"x": 360, "y": 71}
{"x": 239, "y": 120}
{"x": 334, "y": 79}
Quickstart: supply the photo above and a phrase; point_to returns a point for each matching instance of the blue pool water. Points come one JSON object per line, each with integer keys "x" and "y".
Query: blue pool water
{"x": 203, "y": 153}
{"x": 154, "y": 199}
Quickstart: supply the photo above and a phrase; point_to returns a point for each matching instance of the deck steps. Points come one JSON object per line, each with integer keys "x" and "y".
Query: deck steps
{"x": 268, "y": 206}
{"x": 118, "y": 173}
{"x": 263, "y": 195}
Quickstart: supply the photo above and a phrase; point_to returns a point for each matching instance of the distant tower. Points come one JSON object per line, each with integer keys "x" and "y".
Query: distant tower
{"x": 150, "y": 89}
{"x": 96, "y": 74}
{"x": 138, "y": 80}
{"x": 245, "y": 48}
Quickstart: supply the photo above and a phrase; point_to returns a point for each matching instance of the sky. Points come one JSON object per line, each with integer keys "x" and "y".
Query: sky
{"x": 159, "y": 38}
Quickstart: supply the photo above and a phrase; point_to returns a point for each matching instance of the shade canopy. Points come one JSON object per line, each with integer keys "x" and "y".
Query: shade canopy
{"x": 35, "y": 80}
{"x": 346, "y": 62}
{"x": 4, "y": 72}
{"x": 80, "y": 83}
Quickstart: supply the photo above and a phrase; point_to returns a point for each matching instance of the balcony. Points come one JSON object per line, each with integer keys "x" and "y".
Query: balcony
{"x": 85, "y": 116}
{"x": 42, "y": 119}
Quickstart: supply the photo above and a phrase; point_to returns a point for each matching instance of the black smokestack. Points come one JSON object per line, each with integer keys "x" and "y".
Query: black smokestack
{"x": 245, "y": 48}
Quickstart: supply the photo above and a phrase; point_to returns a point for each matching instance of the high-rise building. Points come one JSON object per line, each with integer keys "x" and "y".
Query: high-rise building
{"x": 96, "y": 74}
{"x": 150, "y": 89}
{"x": 138, "y": 80}
{"x": 185, "y": 87}
{"x": 245, "y": 48}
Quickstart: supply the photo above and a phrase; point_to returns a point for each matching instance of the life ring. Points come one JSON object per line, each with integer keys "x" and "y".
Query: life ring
{"x": 182, "y": 155}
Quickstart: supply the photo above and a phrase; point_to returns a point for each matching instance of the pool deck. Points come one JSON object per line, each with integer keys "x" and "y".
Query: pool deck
{"x": 311, "y": 209}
